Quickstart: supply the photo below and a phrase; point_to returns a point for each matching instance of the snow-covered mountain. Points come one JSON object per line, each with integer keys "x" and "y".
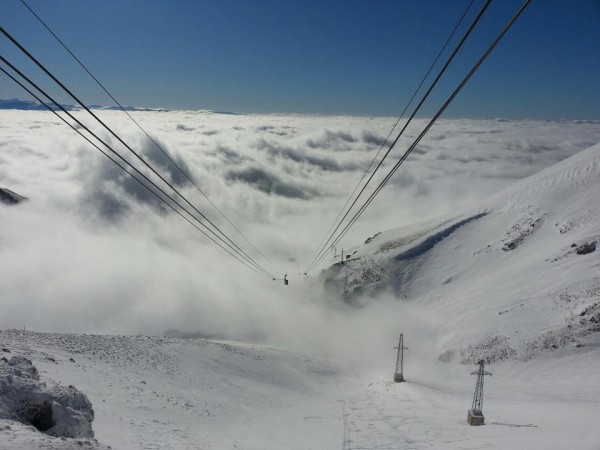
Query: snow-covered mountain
{"x": 518, "y": 275}
{"x": 32, "y": 105}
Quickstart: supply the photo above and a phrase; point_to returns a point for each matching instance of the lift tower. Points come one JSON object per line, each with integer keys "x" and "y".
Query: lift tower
{"x": 475, "y": 414}
{"x": 399, "y": 374}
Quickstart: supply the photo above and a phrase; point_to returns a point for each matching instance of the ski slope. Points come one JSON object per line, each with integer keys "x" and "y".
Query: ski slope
{"x": 169, "y": 393}
{"x": 177, "y": 393}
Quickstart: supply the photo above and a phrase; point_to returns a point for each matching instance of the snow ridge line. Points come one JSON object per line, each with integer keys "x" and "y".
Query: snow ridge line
{"x": 431, "y": 241}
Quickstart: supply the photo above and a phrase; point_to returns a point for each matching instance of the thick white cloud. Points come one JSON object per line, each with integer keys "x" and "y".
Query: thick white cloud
{"x": 91, "y": 251}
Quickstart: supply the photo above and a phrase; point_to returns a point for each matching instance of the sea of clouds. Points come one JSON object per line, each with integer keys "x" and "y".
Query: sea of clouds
{"x": 91, "y": 251}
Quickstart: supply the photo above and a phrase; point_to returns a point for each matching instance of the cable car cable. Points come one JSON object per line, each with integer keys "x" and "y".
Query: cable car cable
{"x": 267, "y": 274}
{"x": 324, "y": 248}
{"x": 125, "y": 169}
{"x": 41, "y": 66}
{"x": 163, "y": 151}
{"x": 432, "y": 121}
{"x": 396, "y": 124}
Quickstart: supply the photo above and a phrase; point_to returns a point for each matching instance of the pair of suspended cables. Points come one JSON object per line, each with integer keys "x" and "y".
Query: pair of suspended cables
{"x": 324, "y": 248}
{"x": 156, "y": 144}
{"x": 214, "y": 234}
{"x": 123, "y": 167}
{"x": 322, "y": 244}
{"x": 323, "y": 252}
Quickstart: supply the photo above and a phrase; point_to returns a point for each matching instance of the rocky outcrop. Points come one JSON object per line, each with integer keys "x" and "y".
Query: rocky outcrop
{"x": 586, "y": 248}
{"x": 9, "y": 197}
{"x": 51, "y": 408}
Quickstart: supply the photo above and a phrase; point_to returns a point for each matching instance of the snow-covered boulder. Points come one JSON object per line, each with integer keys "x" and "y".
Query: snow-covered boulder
{"x": 53, "y": 409}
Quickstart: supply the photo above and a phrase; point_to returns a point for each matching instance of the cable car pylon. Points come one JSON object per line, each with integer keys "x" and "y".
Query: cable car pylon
{"x": 475, "y": 414}
{"x": 399, "y": 373}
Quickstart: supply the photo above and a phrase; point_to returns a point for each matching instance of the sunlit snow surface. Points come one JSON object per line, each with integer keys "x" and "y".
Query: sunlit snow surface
{"x": 91, "y": 253}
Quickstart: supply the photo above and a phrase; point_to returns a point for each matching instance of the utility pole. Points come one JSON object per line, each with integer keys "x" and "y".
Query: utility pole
{"x": 399, "y": 373}
{"x": 475, "y": 414}
{"x": 342, "y": 256}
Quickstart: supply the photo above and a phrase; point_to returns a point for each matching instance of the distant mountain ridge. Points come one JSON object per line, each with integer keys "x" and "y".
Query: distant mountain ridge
{"x": 30, "y": 105}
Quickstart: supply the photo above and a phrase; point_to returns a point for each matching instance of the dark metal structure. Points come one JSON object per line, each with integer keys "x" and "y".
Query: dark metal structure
{"x": 399, "y": 373}
{"x": 346, "y": 283}
{"x": 475, "y": 415}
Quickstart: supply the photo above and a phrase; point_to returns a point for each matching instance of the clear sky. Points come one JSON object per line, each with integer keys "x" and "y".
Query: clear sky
{"x": 313, "y": 56}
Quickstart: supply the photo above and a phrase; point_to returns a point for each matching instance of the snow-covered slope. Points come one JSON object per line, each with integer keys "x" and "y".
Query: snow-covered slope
{"x": 514, "y": 277}
{"x": 189, "y": 393}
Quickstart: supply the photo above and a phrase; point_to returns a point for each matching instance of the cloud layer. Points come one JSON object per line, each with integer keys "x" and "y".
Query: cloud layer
{"x": 93, "y": 251}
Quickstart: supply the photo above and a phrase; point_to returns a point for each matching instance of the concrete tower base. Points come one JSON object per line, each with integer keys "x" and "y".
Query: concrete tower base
{"x": 475, "y": 418}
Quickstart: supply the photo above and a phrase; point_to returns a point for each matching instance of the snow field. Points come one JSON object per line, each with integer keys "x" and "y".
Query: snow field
{"x": 216, "y": 395}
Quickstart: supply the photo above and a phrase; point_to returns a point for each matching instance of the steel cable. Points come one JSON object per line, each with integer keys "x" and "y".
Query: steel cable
{"x": 163, "y": 151}
{"x": 324, "y": 247}
{"x": 395, "y": 125}
{"x": 45, "y": 70}
{"x": 430, "y": 124}
{"x": 245, "y": 261}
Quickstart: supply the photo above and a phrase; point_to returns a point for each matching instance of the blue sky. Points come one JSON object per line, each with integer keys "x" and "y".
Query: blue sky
{"x": 331, "y": 57}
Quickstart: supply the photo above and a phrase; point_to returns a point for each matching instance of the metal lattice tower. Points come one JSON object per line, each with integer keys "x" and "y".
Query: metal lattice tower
{"x": 399, "y": 374}
{"x": 477, "y": 406}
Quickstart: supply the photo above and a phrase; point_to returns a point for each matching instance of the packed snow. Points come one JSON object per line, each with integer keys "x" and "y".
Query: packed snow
{"x": 484, "y": 249}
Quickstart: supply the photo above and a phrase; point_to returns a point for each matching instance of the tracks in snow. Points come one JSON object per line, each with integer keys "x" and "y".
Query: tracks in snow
{"x": 366, "y": 424}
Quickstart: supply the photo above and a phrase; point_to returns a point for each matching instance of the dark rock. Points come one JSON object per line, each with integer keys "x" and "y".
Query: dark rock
{"x": 509, "y": 246}
{"x": 5, "y": 350}
{"x": 41, "y": 416}
{"x": 586, "y": 248}
{"x": 9, "y": 197}
{"x": 52, "y": 409}
{"x": 371, "y": 238}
